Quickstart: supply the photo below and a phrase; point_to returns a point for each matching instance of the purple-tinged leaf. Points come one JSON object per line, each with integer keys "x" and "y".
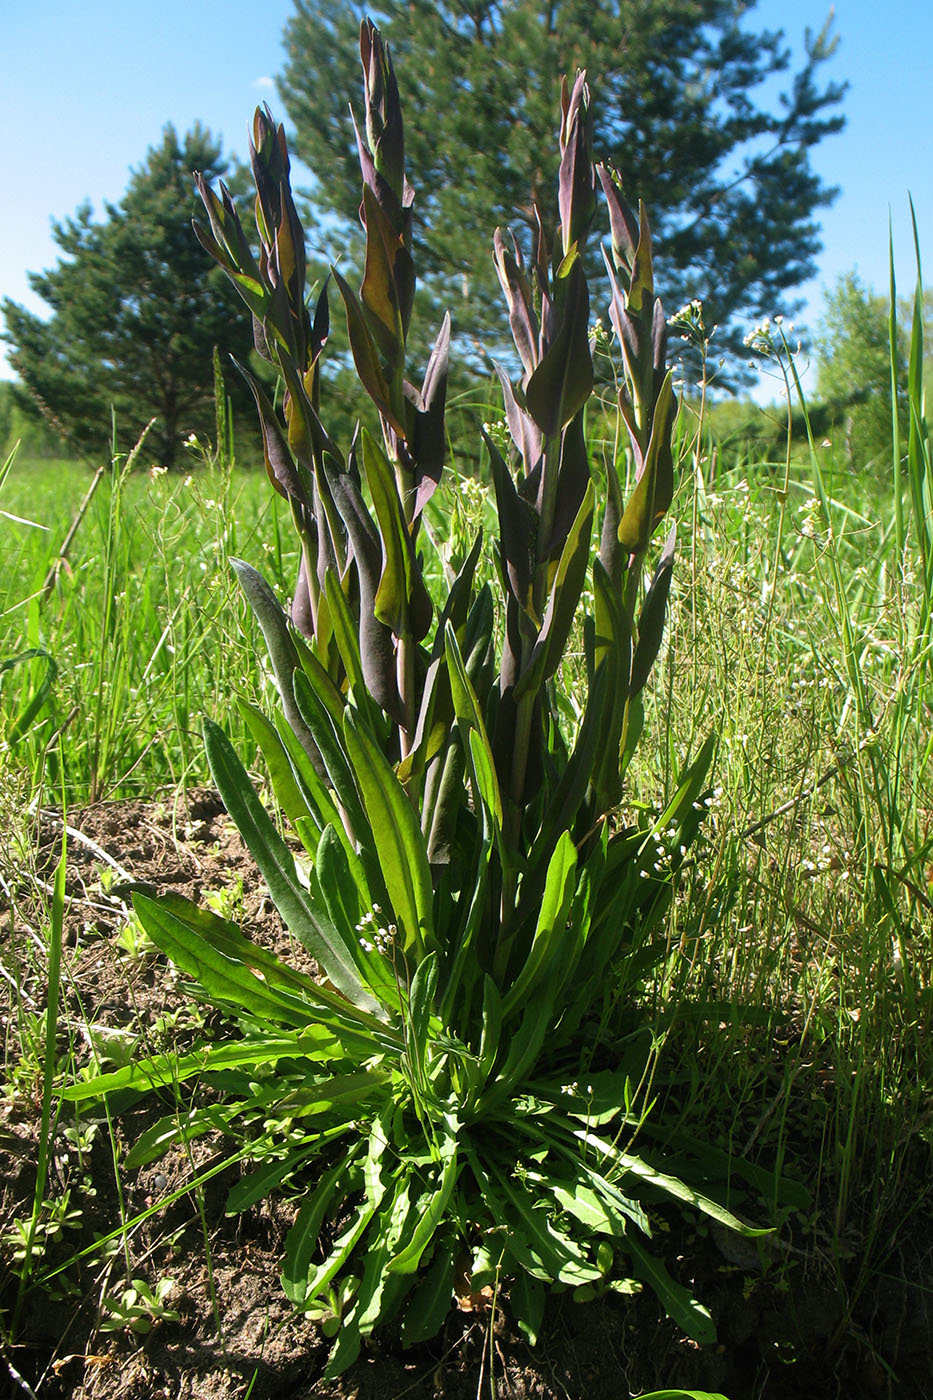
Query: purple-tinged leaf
{"x": 542, "y": 262}
{"x": 307, "y": 436}
{"x": 622, "y": 221}
{"x": 377, "y": 648}
{"x": 642, "y": 284}
{"x": 228, "y": 245}
{"x": 303, "y": 612}
{"x": 260, "y": 343}
{"x": 659, "y": 346}
{"x": 573, "y": 478}
{"x": 517, "y": 289}
{"x": 401, "y": 600}
{"x": 268, "y": 154}
{"x": 320, "y": 328}
{"x": 577, "y": 185}
{"x": 611, "y": 555}
{"x": 457, "y": 605}
{"x": 379, "y": 293}
{"x": 384, "y": 129}
{"x": 282, "y": 652}
{"x": 366, "y": 356}
{"x": 516, "y": 532}
{"x": 399, "y": 214}
{"x": 428, "y": 443}
{"x": 524, "y": 432}
{"x": 280, "y": 464}
{"x": 612, "y": 652}
{"x": 563, "y": 381}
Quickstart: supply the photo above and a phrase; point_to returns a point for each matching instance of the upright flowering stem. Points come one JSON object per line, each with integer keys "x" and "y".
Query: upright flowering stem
{"x": 442, "y": 706}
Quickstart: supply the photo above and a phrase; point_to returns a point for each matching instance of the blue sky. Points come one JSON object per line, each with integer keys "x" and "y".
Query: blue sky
{"x": 89, "y": 84}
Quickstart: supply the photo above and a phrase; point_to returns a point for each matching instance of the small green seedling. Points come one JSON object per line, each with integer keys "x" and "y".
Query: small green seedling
{"x": 138, "y": 1308}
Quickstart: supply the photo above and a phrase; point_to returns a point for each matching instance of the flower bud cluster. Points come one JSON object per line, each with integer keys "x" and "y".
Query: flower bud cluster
{"x": 374, "y": 938}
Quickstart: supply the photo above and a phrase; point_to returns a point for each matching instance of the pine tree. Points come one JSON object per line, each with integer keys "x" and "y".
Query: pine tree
{"x": 678, "y": 111}
{"x": 137, "y": 309}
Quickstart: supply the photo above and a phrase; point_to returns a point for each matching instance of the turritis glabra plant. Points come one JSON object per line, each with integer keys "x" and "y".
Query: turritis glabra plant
{"x": 450, "y": 1101}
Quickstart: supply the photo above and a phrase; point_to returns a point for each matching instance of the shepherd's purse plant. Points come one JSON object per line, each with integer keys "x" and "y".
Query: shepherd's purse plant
{"x": 454, "y": 1100}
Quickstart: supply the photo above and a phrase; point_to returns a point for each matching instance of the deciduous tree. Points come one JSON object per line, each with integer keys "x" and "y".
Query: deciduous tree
{"x": 854, "y": 377}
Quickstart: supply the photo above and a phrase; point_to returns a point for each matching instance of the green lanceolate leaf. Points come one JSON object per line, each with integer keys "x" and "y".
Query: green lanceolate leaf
{"x": 552, "y": 922}
{"x": 467, "y": 710}
{"x": 430, "y": 1301}
{"x": 652, "y": 495}
{"x": 491, "y": 1029}
{"x": 527, "y": 1298}
{"x": 562, "y": 602}
{"x": 683, "y": 805}
{"x": 282, "y": 653}
{"x": 345, "y": 633}
{"x": 256, "y": 1185}
{"x": 277, "y": 866}
{"x": 298, "y": 1268}
{"x": 568, "y": 796}
{"x": 378, "y": 1290}
{"x": 315, "y": 1042}
{"x": 524, "y": 1047}
{"x": 537, "y": 1241}
{"x": 406, "y": 1261}
{"x": 583, "y": 1203}
{"x": 179, "y": 1127}
{"x": 622, "y": 1162}
{"x": 400, "y": 844}
{"x": 343, "y": 1247}
{"x": 421, "y": 1005}
{"x": 324, "y": 809}
{"x": 222, "y": 976}
{"x": 401, "y": 601}
{"x": 678, "y": 1302}
{"x": 682, "y": 1395}
{"x": 341, "y": 880}
{"x": 651, "y": 619}
{"x": 336, "y": 766}
{"x": 288, "y": 794}
{"x": 224, "y": 962}
{"x": 329, "y": 694}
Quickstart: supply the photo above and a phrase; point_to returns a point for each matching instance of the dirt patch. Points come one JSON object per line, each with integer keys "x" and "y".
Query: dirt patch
{"x": 791, "y": 1331}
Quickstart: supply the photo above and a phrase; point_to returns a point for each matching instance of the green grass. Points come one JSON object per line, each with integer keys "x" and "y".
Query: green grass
{"x": 142, "y": 623}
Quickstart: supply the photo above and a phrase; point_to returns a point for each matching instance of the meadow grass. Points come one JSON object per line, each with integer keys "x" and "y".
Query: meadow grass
{"x": 796, "y": 998}
{"x": 142, "y": 622}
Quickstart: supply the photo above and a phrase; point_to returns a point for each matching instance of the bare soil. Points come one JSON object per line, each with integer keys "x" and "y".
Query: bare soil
{"x": 797, "y": 1330}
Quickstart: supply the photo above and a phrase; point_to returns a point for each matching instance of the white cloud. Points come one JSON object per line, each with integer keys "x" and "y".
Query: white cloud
{"x": 263, "y": 83}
